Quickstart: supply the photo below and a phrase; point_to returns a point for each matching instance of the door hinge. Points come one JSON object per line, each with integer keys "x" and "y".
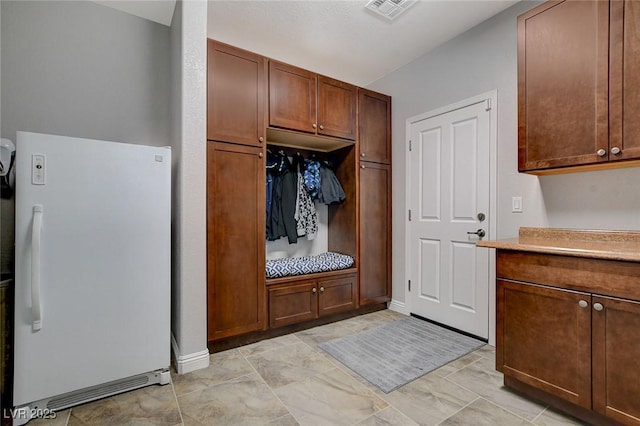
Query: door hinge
{"x": 409, "y": 286}
{"x": 488, "y": 105}
{"x": 409, "y": 215}
{"x": 409, "y": 144}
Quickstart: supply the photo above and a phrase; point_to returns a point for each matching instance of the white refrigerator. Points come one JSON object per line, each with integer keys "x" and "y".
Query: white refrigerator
{"x": 92, "y": 279}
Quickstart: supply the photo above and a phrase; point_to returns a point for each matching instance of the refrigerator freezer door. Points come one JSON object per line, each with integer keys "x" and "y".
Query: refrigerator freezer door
{"x": 103, "y": 269}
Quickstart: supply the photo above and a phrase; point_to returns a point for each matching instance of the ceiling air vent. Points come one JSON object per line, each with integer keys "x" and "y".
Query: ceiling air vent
{"x": 390, "y": 9}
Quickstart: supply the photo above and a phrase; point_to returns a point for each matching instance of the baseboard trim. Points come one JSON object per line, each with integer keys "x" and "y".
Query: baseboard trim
{"x": 190, "y": 362}
{"x": 398, "y": 306}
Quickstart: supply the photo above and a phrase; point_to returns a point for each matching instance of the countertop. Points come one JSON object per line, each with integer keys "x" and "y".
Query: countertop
{"x": 597, "y": 244}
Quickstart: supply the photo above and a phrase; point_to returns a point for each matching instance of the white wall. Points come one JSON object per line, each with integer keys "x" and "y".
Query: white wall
{"x": 188, "y": 81}
{"x": 79, "y": 69}
{"x": 480, "y": 60}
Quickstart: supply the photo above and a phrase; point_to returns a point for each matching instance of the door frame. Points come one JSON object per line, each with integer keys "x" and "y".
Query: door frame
{"x": 492, "y": 98}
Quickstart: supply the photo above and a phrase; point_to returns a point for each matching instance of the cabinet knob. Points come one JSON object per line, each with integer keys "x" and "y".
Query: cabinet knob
{"x": 615, "y": 150}
{"x": 321, "y": 127}
{"x": 362, "y": 155}
{"x": 313, "y": 290}
{"x": 583, "y": 304}
{"x": 598, "y": 306}
{"x": 314, "y": 125}
{"x": 321, "y": 289}
{"x": 362, "y": 166}
{"x": 260, "y": 155}
{"x": 261, "y": 139}
{"x": 601, "y": 152}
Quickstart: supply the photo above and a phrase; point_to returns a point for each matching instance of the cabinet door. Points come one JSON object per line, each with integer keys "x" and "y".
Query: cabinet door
{"x": 292, "y": 97}
{"x": 563, "y": 86}
{"x": 375, "y": 233}
{"x": 336, "y": 108}
{"x": 236, "y": 84}
{"x": 292, "y": 304}
{"x": 235, "y": 239}
{"x": 337, "y": 295}
{"x": 625, "y": 80}
{"x": 616, "y": 359}
{"x": 544, "y": 339}
{"x": 374, "y": 122}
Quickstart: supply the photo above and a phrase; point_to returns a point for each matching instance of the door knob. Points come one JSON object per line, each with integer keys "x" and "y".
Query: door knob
{"x": 601, "y": 152}
{"x": 615, "y": 150}
{"x": 598, "y": 306}
{"x": 321, "y": 127}
{"x": 583, "y": 303}
{"x": 480, "y": 233}
{"x": 313, "y": 290}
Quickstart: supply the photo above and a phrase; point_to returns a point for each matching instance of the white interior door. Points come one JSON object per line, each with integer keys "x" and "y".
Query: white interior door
{"x": 449, "y": 193}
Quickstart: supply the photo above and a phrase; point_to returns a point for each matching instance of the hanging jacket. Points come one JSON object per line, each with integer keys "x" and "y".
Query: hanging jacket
{"x": 306, "y": 215}
{"x": 330, "y": 189}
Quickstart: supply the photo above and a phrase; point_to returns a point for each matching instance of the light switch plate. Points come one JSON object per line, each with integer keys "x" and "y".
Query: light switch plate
{"x": 516, "y": 204}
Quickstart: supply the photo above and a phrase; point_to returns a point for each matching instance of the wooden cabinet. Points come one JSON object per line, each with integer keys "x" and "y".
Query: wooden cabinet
{"x": 616, "y": 359}
{"x": 624, "y": 93}
{"x": 374, "y": 129}
{"x": 306, "y": 102}
{"x": 292, "y": 301}
{"x": 236, "y": 86}
{"x": 571, "y": 80}
{"x": 536, "y": 321}
{"x": 374, "y": 125}
{"x": 235, "y": 239}
{"x": 375, "y": 233}
{"x": 570, "y": 327}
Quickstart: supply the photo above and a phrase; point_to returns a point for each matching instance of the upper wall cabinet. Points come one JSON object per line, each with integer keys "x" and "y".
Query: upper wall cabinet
{"x": 374, "y": 124}
{"x": 236, "y": 85}
{"x": 572, "y": 75}
{"x": 624, "y": 102}
{"x": 304, "y": 101}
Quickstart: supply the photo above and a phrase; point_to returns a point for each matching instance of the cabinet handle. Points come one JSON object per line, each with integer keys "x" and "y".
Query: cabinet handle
{"x": 583, "y": 304}
{"x": 615, "y": 150}
{"x": 598, "y": 306}
{"x": 321, "y": 289}
{"x": 261, "y": 139}
{"x": 314, "y": 125}
{"x": 259, "y": 155}
{"x": 362, "y": 155}
{"x": 313, "y": 290}
{"x": 601, "y": 152}
{"x": 321, "y": 127}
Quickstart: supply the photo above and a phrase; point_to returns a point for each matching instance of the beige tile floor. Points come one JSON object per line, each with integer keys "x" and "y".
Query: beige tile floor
{"x": 288, "y": 380}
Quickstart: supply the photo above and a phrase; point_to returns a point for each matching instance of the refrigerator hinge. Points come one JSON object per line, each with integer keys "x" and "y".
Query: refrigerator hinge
{"x": 488, "y": 105}
{"x": 409, "y": 286}
{"x": 409, "y": 215}
{"x": 409, "y": 144}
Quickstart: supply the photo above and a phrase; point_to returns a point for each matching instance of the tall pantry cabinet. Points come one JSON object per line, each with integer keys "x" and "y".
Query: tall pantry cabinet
{"x": 374, "y": 127}
{"x": 255, "y": 103}
{"x": 235, "y": 191}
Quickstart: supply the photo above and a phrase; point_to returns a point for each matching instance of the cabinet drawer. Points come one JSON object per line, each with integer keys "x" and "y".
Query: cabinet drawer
{"x": 607, "y": 277}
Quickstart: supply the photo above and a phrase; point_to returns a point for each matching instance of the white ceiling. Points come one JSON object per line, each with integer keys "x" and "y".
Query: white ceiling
{"x": 342, "y": 39}
{"x": 337, "y": 38}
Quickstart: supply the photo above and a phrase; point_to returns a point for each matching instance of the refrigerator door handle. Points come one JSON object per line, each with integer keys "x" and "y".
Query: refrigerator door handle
{"x": 36, "y": 235}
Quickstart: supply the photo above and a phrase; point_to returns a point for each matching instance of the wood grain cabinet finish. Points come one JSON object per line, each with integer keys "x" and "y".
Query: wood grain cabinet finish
{"x": 374, "y": 126}
{"x": 624, "y": 80}
{"x": 236, "y": 88}
{"x": 375, "y": 233}
{"x": 304, "y": 300}
{"x": 563, "y": 85}
{"x": 536, "y": 321}
{"x": 566, "y": 339}
{"x": 616, "y": 359}
{"x": 235, "y": 239}
{"x": 303, "y": 101}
